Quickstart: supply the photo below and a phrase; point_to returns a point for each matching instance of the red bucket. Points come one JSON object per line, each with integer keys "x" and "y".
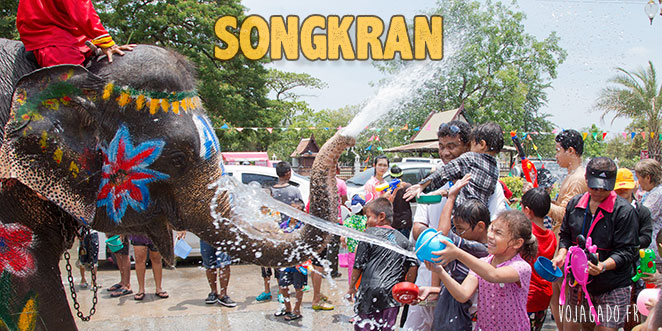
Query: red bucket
{"x": 405, "y": 292}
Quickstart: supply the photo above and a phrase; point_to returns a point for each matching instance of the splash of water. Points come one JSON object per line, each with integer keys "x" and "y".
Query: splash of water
{"x": 248, "y": 200}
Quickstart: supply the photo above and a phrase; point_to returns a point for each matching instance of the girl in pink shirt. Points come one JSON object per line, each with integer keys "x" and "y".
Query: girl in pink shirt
{"x": 502, "y": 278}
{"x": 381, "y": 167}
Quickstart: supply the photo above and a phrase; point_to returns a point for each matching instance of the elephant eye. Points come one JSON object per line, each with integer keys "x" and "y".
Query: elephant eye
{"x": 178, "y": 160}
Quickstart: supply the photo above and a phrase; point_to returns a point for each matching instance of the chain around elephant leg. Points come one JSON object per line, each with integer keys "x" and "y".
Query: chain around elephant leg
{"x": 72, "y": 288}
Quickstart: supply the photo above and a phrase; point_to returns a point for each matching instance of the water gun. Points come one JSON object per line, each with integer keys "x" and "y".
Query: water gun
{"x": 530, "y": 172}
{"x": 646, "y": 263}
{"x": 389, "y": 187}
{"x": 305, "y": 267}
{"x": 589, "y": 249}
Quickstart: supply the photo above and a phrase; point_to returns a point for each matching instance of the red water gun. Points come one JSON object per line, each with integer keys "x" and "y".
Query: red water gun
{"x": 530, "y": 172}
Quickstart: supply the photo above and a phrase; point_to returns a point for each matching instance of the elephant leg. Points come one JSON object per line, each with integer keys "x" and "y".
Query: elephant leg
{"x": 35, "y": 233}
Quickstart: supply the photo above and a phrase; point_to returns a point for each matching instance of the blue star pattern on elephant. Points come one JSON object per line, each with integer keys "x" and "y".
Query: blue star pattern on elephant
{"x": 125, "y": 174}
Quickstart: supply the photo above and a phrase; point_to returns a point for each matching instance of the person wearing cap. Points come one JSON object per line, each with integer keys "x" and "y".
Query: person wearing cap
{"x": 401, "y": 207}
{"x": 649, "y": 174}
{"x": 625, "y": 187}
{"x": 612, "y": 224}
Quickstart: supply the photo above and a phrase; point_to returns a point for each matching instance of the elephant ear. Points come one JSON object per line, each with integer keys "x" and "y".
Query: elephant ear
{"x": 51, "y": 139}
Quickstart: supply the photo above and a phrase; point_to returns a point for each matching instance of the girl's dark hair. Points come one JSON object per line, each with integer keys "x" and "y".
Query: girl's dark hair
{"x": 473, "y": 211}
{"x": 520, "y": 227}
{"x": 374, "y": 163}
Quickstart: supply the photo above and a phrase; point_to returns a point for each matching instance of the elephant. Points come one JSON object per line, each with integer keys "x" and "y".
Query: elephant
{"x": 123, "y": 147}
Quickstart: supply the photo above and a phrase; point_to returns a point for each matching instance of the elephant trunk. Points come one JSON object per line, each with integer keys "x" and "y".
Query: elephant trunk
{"x": 242, "y": 239}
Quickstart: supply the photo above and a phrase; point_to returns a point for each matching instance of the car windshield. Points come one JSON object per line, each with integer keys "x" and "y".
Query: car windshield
{"x": 362, "y": 177}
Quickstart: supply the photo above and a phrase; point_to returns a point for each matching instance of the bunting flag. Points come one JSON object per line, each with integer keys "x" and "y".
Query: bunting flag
{"x": 368, "y": 148}
{"x": 632, "y": 134}
{"x": 604, "y": 134}
{"x": 377, "y": 138}
{"x": 643, "y": 135}
{"x": 428, "y": 127}
{"x": 595, "y": 135}
{"x": 240, "y": 129}
{"x": 371, "y": 138}
{"x": 418, "y": 128}
{"x": 584, "y": 135}
{"x": 270, "y": 130}
{"x": 380, "y": 148}
{"x": 406, "y": 127}
{"x": 224, "y": 126}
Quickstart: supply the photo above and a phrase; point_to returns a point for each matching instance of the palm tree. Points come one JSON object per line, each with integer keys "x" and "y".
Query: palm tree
{"x": 637, "y": 96}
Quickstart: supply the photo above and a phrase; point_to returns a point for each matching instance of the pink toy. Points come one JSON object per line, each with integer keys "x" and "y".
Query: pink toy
{"x": 643, "y": 298}
{"x": 578, "y": 260}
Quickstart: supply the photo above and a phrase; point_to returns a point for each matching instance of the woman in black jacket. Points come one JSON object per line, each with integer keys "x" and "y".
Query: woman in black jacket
{"x": 612, "y": 224}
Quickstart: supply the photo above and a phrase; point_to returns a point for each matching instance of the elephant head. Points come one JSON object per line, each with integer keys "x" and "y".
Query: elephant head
{"x": 127, "y": 148}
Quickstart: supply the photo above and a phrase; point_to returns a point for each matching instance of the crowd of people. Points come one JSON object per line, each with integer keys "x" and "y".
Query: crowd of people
{"x": 485, "y": 277}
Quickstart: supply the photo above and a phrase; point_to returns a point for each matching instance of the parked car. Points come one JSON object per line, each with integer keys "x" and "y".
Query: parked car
{"x": 266, "y": 176}
{"x": 421, "y": 159}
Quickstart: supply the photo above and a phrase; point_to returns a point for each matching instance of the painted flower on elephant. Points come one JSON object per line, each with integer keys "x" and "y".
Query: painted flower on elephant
{"x": 125, "y": 174}
{"x": 15, "y": 245}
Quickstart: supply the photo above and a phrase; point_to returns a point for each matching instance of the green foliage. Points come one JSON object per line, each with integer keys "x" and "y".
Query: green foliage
{"x": 636, "y": 95}
{"x": 8, "y": 10}
{"x": 594, "y": 146}
{"x": 626, "y": 152}
{"x": 515, "y": 185}
{"x": 492, "y": 66}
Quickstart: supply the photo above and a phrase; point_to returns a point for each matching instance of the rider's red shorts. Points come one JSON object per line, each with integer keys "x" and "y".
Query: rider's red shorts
{"x": 54, "y": 55}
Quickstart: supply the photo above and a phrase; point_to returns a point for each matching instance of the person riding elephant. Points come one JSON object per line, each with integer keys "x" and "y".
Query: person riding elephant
{"x": 57, "y": 32}
{"x": 123, "y": 147}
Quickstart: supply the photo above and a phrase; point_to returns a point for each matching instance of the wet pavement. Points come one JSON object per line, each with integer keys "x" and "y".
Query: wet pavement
{"x": 185, "y": 308}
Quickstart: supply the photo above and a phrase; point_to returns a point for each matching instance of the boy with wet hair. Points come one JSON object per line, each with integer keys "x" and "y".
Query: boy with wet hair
{"x": 379, "y": 269}
{"x": 481, "y": 163}
{"x": 471, "y": 220}
{"x": 535, "y": 205}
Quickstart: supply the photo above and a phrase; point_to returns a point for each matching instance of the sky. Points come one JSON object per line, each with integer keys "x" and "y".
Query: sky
{"x": 598, "y": 36}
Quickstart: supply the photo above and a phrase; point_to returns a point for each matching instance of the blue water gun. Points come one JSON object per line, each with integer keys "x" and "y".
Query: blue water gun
{"x": 389, "y": 187}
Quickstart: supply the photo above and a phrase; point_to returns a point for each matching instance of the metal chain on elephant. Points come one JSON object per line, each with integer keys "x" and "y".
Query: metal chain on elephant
{"x": 72, "y": 288}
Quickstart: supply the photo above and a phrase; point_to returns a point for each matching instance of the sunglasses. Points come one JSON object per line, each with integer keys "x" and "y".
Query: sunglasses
{"x": 453, "y": 128}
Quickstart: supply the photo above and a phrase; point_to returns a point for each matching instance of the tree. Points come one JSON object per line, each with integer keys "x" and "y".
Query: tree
{"x": 8, "y": 10}
{"x": 594, "y": 145}
{"x": 492, "y": 66}
{"x": 637, "y": 96}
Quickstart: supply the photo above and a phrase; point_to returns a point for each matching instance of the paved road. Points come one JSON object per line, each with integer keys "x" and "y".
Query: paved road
{"x": 186, "y": 310}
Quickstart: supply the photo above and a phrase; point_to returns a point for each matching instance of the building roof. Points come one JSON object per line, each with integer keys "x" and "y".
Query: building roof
{"x": 306, "y": 146}
{"x": 429, "y": 128}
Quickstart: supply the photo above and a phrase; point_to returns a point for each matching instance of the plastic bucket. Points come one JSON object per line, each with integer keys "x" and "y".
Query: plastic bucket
{"x": 429, "y": 199}
{"x": 546, "y": 270}
{"x": 182, "y": 249}
{"x": 429, "y": 241}
{"x": 114, "y": 243}
{"x": 405, "y": 292}
{"x": 343, "y": 260}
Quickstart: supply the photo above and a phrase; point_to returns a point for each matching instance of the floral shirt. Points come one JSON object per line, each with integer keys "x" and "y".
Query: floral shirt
{"x": 356, "y": 222}
{"x": 653, "y": 200}
{"x": 503, "y": 306}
